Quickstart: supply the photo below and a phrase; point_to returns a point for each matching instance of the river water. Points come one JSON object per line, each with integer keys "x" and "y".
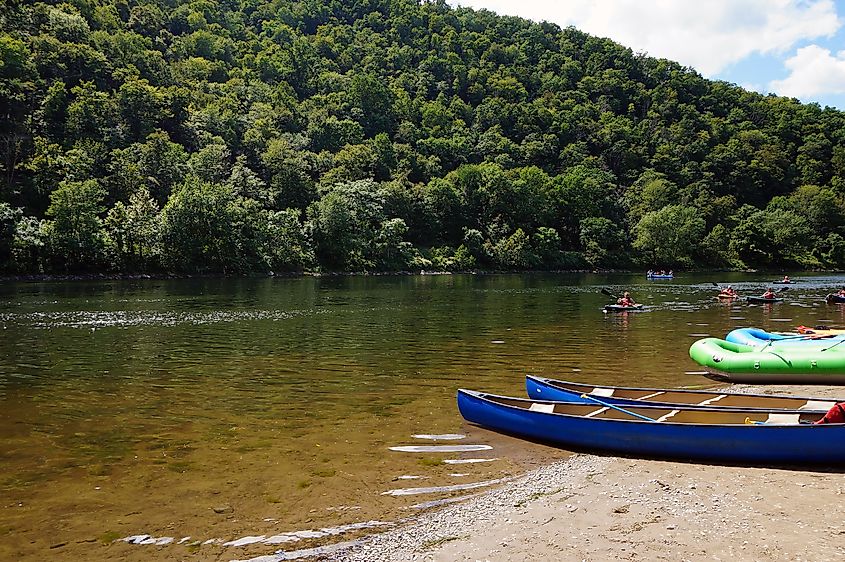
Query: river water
{"x": 225, "y": 409}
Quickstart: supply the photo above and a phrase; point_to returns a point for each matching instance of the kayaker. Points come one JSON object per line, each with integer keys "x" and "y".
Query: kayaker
{"x": 786, "y": 279}
{"x": 842, "y": 292}
{"x": 626, "y": 300}
{"x": 728, "y": 291}
{"x": 769, "y": 294}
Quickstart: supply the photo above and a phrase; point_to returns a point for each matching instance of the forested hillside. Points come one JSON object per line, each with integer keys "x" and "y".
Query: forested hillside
{"x": 241, "y": 136}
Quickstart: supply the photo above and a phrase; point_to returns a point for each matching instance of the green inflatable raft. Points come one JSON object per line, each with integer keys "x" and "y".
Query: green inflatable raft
{"x": 734, "y": 362}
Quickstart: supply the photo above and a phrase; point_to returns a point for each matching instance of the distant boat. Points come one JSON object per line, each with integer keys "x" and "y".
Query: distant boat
{"x": 540, "y": 388}
{"x": 748, "y": 437}
{"x": 660, "y": 276}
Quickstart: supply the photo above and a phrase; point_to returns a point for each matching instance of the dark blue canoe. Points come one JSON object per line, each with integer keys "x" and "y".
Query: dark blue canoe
{"x": 833, "y": 298}
{"x": 540, "y": 388}
{"x": 703, "y": 434}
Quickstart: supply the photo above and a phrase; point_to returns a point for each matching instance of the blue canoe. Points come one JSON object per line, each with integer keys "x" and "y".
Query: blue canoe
{"x": 834, "y": 298}
{"x": 540, "y": 388}
{"x": 704, "y": 435}
{"x": 756, "y": 337}
{"x": 658, "y": 276}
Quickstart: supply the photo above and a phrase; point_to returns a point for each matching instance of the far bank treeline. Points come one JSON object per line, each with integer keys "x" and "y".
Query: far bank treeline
{"x": 243, "y": 136}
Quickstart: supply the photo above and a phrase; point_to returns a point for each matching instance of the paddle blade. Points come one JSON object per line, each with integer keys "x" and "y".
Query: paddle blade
{"x": 715, "y": 284}
{"x": 783, "y": 289}
{"x": 607, "y": 292}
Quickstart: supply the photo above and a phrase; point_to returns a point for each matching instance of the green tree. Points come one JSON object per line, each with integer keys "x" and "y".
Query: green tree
{"x": 134, "y": 231}
{"x": 75, "y": 235}
{"x": 603, "y": 242}
{"x": 669, "y": 236}
{"x": 201, "y": 229}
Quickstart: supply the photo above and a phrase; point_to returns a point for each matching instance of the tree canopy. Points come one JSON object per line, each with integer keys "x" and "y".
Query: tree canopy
{"x": 376, "y": 135}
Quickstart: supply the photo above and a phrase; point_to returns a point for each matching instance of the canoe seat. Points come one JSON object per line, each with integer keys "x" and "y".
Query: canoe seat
{"x": 783, "y": 419}
{"x": 602, "y": 392}
{"x": 547, "y": 408}
{"x": 817, "y": 405}
{"x": 711, "y": 400}
{"x": 667, "y": 416}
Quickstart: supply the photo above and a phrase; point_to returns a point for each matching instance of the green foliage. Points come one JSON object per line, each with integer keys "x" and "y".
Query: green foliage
{"x": 367, "y": 135}
{"x": 9, "y": 217}
{"x": 669, "y": 236}
{"x": 514, "y": 252}
{"x": 75, "y": 236}
{"x": 134, "y": 232}
{"x": 203, "y": 227}
{"x": 284, "y": 244}
{"x": 603, "y": 242}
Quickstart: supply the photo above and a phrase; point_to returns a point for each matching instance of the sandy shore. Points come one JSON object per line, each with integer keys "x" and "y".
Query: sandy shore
{"x": 608, "y": 508}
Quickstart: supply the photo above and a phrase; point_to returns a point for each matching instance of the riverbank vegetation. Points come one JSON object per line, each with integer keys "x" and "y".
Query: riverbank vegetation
{"x": 376, "y": 135}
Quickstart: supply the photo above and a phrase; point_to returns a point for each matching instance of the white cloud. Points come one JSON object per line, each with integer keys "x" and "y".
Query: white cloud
{"x": 812, "y": 71}
{"x": 707, "y": 35}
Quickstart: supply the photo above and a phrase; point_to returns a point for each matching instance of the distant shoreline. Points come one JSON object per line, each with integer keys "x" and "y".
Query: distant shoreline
{"x": 57, "y": 277}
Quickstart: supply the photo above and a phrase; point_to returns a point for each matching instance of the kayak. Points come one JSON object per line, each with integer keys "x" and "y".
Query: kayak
{"x": 659, "y": 276}
{"x": 744, "y": 436}
{"x": 761, "y": 300}
{"x": 756, "y": 337}
{"x": 783, "y": 282}
{"x": 819, "y": 331}
{"x": 734, "y": 362}
{"x": 550, "y": 389}
{"x": 835, "y": 299}
{"x": 621, "y": 308}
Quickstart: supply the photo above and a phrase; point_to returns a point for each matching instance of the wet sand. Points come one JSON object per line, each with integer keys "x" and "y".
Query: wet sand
{"x": 609, "y": 508}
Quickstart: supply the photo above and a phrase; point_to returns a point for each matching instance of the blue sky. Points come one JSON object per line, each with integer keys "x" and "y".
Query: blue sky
{"x": 793, "y": 48}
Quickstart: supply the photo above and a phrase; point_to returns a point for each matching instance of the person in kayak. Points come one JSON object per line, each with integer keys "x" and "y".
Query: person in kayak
{"x": 626, "y": 300}
{"x": 769, "y": 294}
{"x": 728, "y": 292}
{"x": 786, "y": 279}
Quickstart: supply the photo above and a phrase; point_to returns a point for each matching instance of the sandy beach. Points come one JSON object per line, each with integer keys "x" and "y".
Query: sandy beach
{"x": 591, "y": 507}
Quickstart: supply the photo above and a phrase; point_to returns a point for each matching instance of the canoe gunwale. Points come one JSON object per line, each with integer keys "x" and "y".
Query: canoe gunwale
{"x": 554, "y": 385}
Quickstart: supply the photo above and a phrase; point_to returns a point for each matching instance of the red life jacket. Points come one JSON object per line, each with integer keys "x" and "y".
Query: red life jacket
{"x": 835, "y": 414}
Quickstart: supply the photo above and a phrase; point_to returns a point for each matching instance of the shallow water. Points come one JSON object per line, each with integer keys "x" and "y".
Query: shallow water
{"x": 226, "y": 410}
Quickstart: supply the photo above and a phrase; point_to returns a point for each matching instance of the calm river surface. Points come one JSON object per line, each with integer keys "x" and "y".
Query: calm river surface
{"x": 221, "y": 409}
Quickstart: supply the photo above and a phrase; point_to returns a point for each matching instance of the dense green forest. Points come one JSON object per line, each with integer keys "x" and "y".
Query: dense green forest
{"x": 250, "y": 136}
